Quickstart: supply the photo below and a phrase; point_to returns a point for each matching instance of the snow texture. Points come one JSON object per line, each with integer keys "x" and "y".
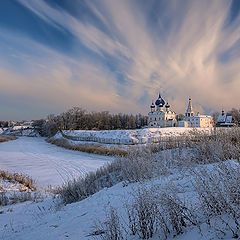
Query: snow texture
{"x": 128, "y": 137}
{"x": 44, "y": 220}
{"x": 47, "y": 163}
{"x": 22, "y": 131}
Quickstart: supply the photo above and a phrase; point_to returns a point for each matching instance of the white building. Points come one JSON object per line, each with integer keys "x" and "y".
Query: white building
{"x": 192, "y": 120}
{"x": 224, "y": 120}
{"x": 160, "y": 115}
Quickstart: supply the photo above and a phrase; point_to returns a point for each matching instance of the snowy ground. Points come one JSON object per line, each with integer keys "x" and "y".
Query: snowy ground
{"x": 45, "y": 220}
{"x": 46, "y": 163}
{"x": 136, "y": 136}
{"x": 6, "y": 186}
{"x": 21, "y": 131}
{"x": 52, "y": 165}
{"x": 75, "y": 221}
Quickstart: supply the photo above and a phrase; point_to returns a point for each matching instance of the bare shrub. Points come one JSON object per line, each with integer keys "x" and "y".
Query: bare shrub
{"x": 150, "y": 213}
{"x": 159, "y": 212}
{"x": 143, "y": 214}
{"x": 219, "y": 194}
{"x": 111, "y": 228}
{"x": 176, "y": 213}
{"x": 17, "y": 197}
{"x": 142, "y": 163}
{"x": 138, "y": 166}
{"x": 93, "y": 182}
{"x": 3, "y": 199}
{"x": 222, "y": 144}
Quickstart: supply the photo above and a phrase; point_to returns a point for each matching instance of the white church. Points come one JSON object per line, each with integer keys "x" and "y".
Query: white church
{"x": 161, "y": 116}
{"x": 197, "y": 120}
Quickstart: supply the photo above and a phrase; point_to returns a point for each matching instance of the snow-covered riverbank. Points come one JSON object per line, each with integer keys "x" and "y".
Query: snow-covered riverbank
{"x": 47, "y": 163}
{"x": 128, "y": 137}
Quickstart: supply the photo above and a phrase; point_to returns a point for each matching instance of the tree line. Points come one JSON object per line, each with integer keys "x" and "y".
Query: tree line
{"x": 80, "y": 119}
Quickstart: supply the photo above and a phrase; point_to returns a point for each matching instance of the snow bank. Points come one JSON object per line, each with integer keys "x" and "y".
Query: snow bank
{"x": 21, "y": 127}
{"x": 128, "y": 137}
{"x": 22, "y": 131}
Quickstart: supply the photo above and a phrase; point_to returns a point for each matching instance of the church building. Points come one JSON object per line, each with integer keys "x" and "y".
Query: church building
{"x": 161, "y": 115}
{"x": 197, "y": 120}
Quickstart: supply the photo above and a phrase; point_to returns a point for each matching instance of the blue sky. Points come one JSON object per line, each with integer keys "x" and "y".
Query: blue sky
{"x": 116, "y": 55}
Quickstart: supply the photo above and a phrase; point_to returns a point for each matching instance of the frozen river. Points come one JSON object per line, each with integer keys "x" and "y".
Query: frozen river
{"x": 47, "y": 163}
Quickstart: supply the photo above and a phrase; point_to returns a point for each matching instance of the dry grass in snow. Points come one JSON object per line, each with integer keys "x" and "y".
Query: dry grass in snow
{"x": 23, "y": 179}
{"x": 89, "y": 148}
{"x": 6, "y": 138}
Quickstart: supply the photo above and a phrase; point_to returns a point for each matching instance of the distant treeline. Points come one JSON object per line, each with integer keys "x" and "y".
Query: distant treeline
{"x": 80, "y": 119}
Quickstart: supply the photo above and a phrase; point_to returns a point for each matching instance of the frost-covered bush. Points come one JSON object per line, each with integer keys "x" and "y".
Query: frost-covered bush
{"x": 138, "y": 166}
{"x": 7, "y": 198}
{"x": 149, "y": 213}
{"x": 111, "y": 228}
{"x": 83, "y": 187}
{"x": 143, "y": 213}
{"x": 154, "y": 212}
{"x": 143, "y": 163}
{"x": 221, "y": 145}
{"x": 219, "y": 194}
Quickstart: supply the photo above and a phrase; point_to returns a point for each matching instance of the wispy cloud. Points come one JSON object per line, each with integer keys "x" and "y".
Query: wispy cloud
{"x": 184, "y": 48}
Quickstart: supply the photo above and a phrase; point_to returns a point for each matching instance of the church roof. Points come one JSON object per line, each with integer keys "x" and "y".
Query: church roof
{"x": 190, "y": 108}
{"x": 160, "y": 101}
{"x": 221, "y": 117}
{"x": 229, "y": 119}
{"x": 152, "y": 106}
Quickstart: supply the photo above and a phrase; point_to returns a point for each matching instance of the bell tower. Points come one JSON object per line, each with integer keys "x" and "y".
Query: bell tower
{"x": 189, "y": 113}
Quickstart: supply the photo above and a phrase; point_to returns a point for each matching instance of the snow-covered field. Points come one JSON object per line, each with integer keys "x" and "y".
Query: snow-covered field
{"x": 136, "y": 136}
{"x": 44, "y": 220}
{"x": 47, "y": 163}
{"x": 51, "y": 165}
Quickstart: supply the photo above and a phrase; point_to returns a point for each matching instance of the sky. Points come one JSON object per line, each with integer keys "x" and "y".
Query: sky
{"x": 111, "y": 55}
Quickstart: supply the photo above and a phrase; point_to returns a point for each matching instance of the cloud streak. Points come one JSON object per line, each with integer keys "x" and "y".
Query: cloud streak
{"x": 184, "y": 48}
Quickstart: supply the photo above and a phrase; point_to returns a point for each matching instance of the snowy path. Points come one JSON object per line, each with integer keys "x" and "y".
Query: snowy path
{"x": 47, "y": 163}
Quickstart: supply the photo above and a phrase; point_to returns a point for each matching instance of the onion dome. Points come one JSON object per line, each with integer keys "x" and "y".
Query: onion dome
{"x": 152, "y": 106}
{"x": 157, "y": 102}
{"x": 167, "y": 105}
{"x": 160, "y": 101}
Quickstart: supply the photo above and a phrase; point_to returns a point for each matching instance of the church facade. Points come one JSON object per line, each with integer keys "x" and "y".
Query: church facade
{"x": 197, "y": 120}
{"x": 161, "y": 115}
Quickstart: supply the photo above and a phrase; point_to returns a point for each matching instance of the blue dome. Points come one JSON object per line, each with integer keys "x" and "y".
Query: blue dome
{"x": 160, "y": 101}
{"x": 167, "y": 105}
{"x": 152, "y": 106}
